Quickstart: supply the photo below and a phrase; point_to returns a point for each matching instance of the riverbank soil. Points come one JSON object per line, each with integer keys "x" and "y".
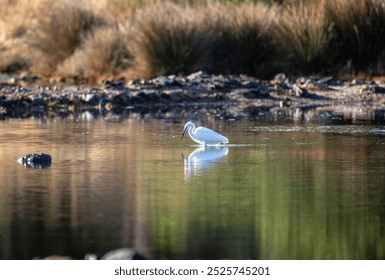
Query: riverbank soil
{"x": 228, "y": 96}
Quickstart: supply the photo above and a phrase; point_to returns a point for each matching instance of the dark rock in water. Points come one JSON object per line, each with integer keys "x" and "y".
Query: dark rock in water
{"x": 40, "y": 160}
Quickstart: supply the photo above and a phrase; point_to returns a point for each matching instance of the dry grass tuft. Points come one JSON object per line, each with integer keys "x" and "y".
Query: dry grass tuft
{"x": 243, "y": 42}
{"x": 59, "y": 31}
{"x": 13, "y": 57}
{"x": 360, "y": 30}
{"x": 16, "y": 16}
{"x": 106, "y": 51}
{"x": 305, "y": 37}
{"x": 170, "y": 40}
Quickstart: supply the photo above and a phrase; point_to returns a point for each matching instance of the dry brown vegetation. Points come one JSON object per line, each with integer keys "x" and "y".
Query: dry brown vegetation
{"x": 243, "y": 39}
{"x": 58, "y": 32}
{"x": 359, "y": 32}
{"x": 306, "y": 35}
{"x": 149, "y": 38}
{"x": 170, "y": 39}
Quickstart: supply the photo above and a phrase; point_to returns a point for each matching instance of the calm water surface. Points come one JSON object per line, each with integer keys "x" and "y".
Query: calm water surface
{"x": 278, "y": 191}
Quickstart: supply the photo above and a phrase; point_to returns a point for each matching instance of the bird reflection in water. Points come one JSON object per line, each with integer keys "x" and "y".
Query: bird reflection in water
{"x": 202, "y": 159}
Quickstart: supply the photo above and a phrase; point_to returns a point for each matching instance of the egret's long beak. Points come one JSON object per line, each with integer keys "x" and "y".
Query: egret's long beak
{"x": 184, "y": 131}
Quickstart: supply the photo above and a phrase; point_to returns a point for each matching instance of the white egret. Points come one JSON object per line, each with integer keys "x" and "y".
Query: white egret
{"x": 203, "y": 135}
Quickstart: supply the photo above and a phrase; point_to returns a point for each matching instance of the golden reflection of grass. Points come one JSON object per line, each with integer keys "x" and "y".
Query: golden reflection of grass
{"x": 147, "y": 38}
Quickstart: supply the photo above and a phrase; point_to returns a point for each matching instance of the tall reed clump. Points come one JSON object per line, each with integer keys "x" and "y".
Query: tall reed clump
{"x": 59, "y": 31}
{"x": 243, "y": 41}
{"x": 304, "y": 35}
{"x": 360, "y": 31}
{"x": 103, "y": 52}
{"x": 106, "y": 52}
{"x": 169, "y": 40}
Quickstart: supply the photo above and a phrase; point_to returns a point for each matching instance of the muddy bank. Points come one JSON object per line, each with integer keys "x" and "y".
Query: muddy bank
{"x": 229, "y": 97}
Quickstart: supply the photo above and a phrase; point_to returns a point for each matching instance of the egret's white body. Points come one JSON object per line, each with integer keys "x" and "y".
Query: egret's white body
{"x": 203, "y": 135}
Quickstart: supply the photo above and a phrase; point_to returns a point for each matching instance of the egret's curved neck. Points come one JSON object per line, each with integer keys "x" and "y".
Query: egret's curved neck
{"x": 191, "y": 130}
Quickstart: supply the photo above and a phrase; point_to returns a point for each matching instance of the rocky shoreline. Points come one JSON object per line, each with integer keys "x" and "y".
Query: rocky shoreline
{"x": 227, "y": 96}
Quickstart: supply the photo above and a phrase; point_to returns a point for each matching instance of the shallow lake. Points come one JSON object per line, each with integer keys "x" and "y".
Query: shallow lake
{"x": 280, "y": 190}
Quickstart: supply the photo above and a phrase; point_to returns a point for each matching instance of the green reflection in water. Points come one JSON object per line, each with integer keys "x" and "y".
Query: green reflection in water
{"x": 285, "y": 193}
{"x": 297, "y": 196}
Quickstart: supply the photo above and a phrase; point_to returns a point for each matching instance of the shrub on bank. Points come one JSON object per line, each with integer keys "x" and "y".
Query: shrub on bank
{"x": 58, "y": 33}
{"x": 242, "y": 39}
{"x": 169, "y": 39}
{"x": 304, "y": 35}
{"x": 359, "y": 31}
{"x": 105, "y": 51}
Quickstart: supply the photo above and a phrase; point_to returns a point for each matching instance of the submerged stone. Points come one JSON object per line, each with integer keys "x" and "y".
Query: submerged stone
{"x": 39, "y": 160}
